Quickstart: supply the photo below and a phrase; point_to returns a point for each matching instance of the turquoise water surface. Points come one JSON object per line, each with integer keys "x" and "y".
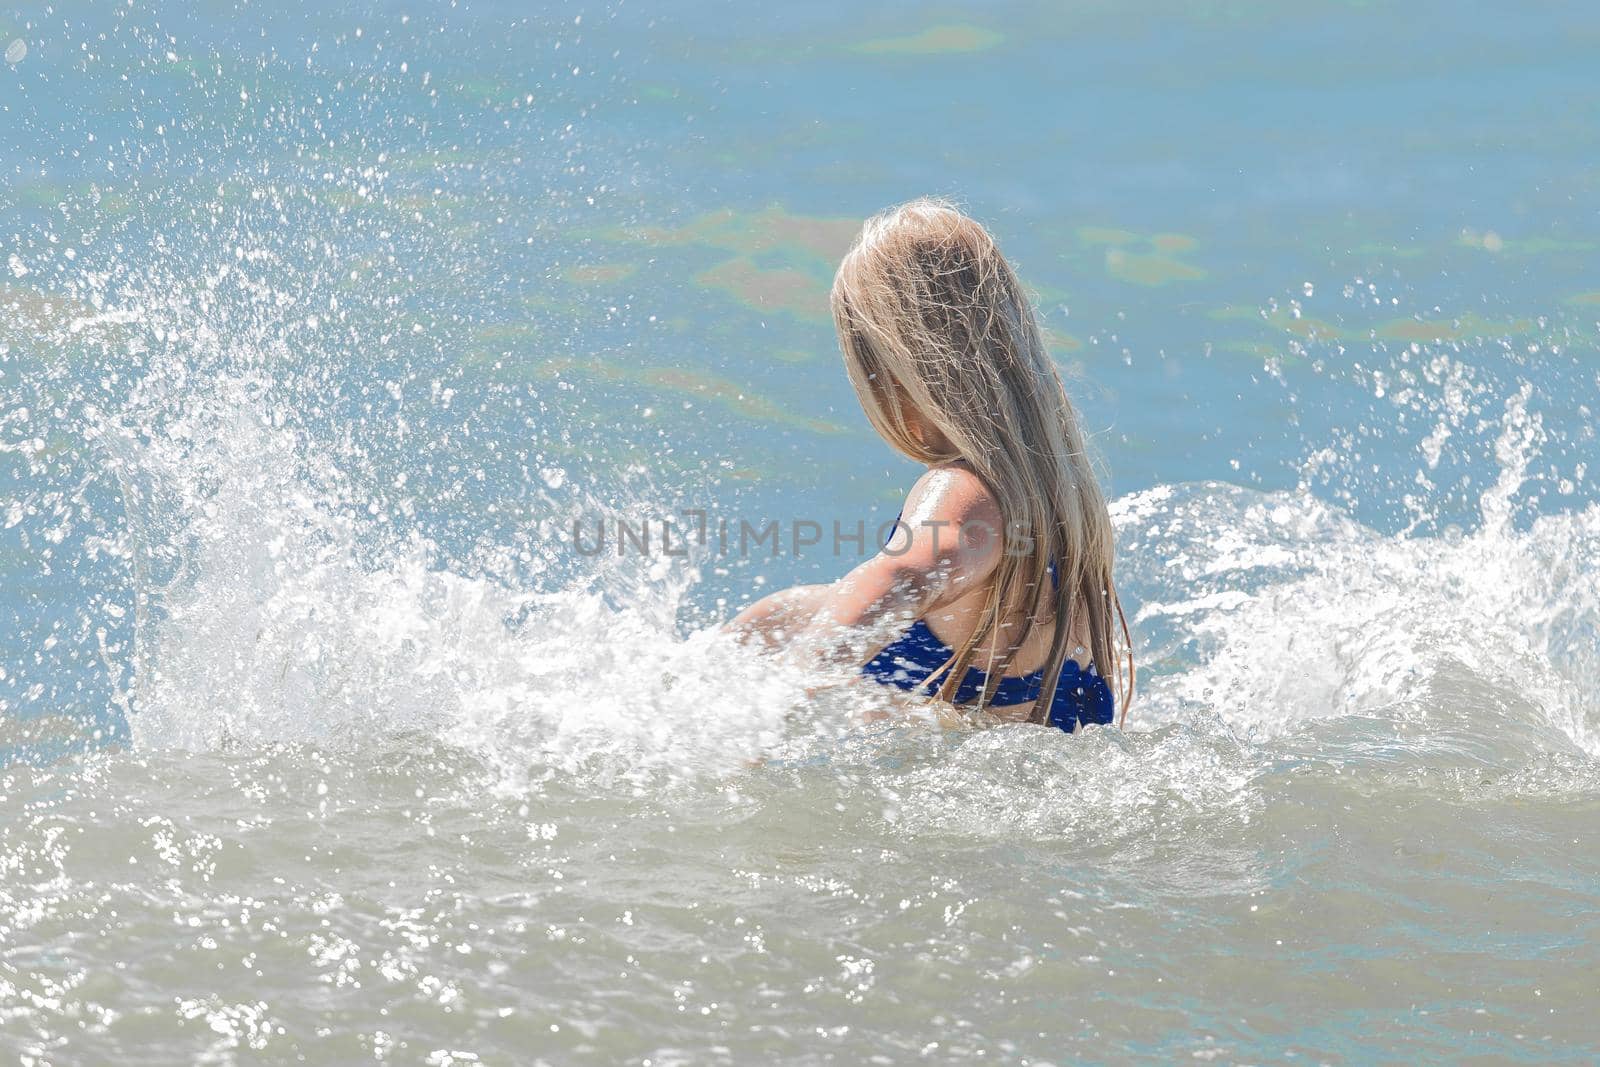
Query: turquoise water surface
{"x": 320, "y": 741}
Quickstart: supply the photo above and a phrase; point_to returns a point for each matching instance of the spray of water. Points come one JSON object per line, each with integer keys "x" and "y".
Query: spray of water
{"x": 1265, "y": 611}
{"x": 1286, "y": 610}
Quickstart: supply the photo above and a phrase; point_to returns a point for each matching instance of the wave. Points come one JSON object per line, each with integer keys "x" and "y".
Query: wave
{"x": 1276, "y": 610}
{"x": 1268, "y": 619}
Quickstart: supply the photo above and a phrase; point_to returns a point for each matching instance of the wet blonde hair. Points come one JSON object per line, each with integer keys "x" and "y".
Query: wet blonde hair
{"x": 936, "y": 327}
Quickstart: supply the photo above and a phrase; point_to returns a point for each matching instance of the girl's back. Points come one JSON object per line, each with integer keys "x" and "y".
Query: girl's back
{"x": 1018, "y": 613}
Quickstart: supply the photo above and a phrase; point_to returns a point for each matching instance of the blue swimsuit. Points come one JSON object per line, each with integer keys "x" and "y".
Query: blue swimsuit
{"x": 1082, "y": 696}
{"x": 909, "y": 662}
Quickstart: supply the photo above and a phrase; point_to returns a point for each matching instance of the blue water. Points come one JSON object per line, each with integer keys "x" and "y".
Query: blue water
{"x": 316, "y": 322}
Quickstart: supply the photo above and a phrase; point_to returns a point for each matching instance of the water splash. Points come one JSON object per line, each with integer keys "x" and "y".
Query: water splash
{"x": 286, "y": 617}
{"x": 1275, "y": 609}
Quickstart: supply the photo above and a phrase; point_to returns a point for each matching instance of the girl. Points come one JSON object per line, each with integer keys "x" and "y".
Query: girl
{"x": 995, "y": 592}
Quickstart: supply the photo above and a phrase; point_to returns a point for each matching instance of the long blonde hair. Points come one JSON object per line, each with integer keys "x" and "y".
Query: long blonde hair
{"x": 932, "y": 318}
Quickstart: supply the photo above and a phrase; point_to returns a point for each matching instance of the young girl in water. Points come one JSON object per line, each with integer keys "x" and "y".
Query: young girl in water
{"x": 995, "y": 593}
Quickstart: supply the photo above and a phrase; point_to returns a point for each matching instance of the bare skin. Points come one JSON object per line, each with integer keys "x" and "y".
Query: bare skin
{"x": 944, "y": 580}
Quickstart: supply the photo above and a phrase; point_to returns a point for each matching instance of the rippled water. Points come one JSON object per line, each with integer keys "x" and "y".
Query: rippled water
{"x": 317, "y": 745}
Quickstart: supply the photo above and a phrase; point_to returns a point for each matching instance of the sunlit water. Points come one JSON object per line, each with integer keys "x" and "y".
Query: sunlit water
{"x": 318, "y": 743}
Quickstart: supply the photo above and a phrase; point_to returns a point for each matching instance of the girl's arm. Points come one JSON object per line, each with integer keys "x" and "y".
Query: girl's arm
{"x": 947, "y": 544}
{"x": 778, "y": 618}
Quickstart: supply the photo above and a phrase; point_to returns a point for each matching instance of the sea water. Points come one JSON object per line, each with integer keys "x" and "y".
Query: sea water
{"x": 322, "y": 739}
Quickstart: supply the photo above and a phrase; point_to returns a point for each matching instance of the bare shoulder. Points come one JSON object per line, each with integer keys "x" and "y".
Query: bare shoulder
{"x": 952, "y": 493}
{"x": 952, "y": 505}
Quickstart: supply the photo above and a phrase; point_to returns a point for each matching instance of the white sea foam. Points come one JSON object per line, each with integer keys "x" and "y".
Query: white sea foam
{"x": 279, "y": 622}
{"x": 1287, "y": 611}
{"x": 281, "y": 629}
{"x": 1268, "y": 610}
